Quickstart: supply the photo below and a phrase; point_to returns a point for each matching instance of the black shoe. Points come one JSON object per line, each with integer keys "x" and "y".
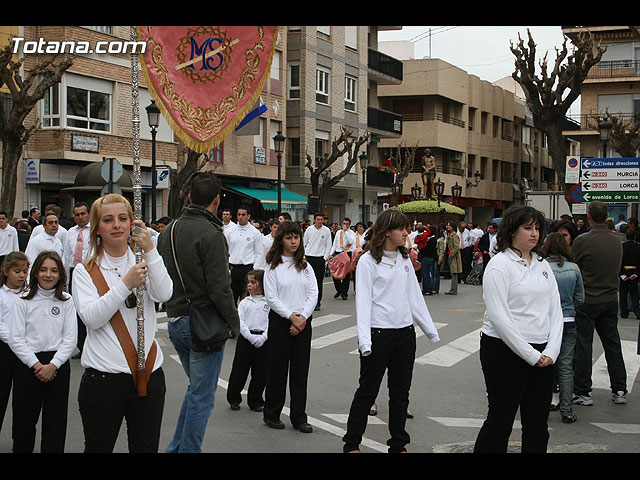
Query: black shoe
{"x": 257, "y": 408}
{"x": 277, "y": 424}
{"x": 337, "y": 295}
{"x": 234, "y": 406}
{"x": 344, "y": 297}
{"x": 450, "y": 293}
{"x": 304, "y": 428}
{"x": 569, "y": 419}
{"x": 317, "y": 308}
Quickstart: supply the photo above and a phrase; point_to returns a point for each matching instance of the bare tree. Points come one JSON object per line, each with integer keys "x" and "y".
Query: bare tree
{"x": 189, "y": 163}
{"x": 26, "y": 91}
{"x": 624, "y": 136}
{"x": 550, "y": 95}
{"x": 403, "y": 160}
{"x": 320, "y": 169}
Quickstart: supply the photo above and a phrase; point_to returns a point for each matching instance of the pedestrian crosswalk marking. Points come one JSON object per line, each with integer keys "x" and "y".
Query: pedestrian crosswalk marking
{"x": 329, "y": 318}
{"x": 600, "y": 375}
{"x": 619, "y": 427}
{"x": 453, "y": 352}
{"x": 343, "y": 417}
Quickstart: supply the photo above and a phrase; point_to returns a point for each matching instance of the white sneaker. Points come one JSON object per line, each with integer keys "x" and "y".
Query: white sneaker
{"x": 619, "y": 397}
{"x": 585, "y": 400}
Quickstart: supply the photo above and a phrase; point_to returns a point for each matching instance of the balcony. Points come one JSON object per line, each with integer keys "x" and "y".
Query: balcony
{"x": 384, "y": 69}
{"x": 384, "y": 123}
{"x": 615, "y": 69}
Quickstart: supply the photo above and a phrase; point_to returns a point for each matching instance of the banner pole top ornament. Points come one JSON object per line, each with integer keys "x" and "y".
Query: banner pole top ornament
{"x": 205, "y": 79}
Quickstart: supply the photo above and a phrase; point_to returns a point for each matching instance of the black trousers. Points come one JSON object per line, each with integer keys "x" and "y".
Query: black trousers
{"x": 466, "y": 254}
{"x": 105, "y": 399}
{"x": 30, "y": 397}
{"x": 511, "y": 384}
{"x": 342, "y": 286}
{"x": 247, "y": 359}
{"x": 392, "y": 351}
{"x": 8, "y": 362}
{"x": 289, "y": 357}
{"x": 318, "y": 264}
{"x": 629, "y": 287}
{"x": 239, "y": 279}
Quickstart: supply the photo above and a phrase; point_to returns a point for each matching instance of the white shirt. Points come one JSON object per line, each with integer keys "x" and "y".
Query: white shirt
{"x": 389, "y": 296}
{"x": 8, "y": 298}
{"x": 476, "y": 233}
{"x": 102, "y": 349}
{"x": 493, "y": 244}
{"x": 8, "y": 240}
{"x": 245, "y": 245}
{"x": 61, "y": 234}
{"x": 226, "y": 229}
{"x": 253, "y": 311}
{"x": 288, "y": 290}
{"x": 41, "y": 243}
{"x": 522, "y": 305}
{"x": 317, "y": 241}
{"x": 70, "y": 246}
{"x": 43, "y": 324}
{"x": 465, "y": 238}
{"x": 348, "y": 238}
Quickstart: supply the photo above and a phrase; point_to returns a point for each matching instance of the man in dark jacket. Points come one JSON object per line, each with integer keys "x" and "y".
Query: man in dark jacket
{"x": 599, "y": 256}
{"x": 428, "y": 256}
{"x": 629, "y": 273}
{"x": 202, "y": 254}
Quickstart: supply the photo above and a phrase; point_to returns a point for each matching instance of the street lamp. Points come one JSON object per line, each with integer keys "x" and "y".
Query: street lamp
{"x": 456, "y": 191}
{"x": 153, "y": 115}
{"x": 438, "y": 187}
{"x": 605, "y": 127}
{"x": 477, "y": 176}
{"x": 364, "y": 163}
{"x": 396, "y": 187}
{"x": 416, "y": 192}
{"x": 278, "y": 145}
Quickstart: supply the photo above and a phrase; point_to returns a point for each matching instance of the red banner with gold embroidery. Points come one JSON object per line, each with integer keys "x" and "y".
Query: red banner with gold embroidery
{"x": 205, "y": 79}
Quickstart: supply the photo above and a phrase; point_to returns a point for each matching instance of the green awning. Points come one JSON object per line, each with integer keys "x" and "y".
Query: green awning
{"x": 269, "y": 197}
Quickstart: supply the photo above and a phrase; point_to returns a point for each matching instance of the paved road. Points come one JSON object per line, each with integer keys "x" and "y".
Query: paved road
{"x": 447, "y": 396}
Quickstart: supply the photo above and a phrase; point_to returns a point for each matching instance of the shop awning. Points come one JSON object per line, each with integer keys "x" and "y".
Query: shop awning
{"x": 269, "y": 197}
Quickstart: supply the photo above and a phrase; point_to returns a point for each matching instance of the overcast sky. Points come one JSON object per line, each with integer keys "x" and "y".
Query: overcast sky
{"x": 479, "y": 50}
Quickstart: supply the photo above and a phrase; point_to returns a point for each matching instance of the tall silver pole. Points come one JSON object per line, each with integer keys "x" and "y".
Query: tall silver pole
{"x": 137, "y": 193}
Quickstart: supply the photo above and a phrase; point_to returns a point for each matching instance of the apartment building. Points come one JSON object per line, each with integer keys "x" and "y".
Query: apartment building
{"x": 472, "y": 127}
{"x": 333, "y": 77}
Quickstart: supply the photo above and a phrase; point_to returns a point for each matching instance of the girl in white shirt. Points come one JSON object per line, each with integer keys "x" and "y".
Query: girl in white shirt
{"x": 388, "y": 301}
{"x": 521, "y": 334}
{"x": 13, "y": 276}
{"x": 251, "y": 351}
{"x": 292, "y": 292}
{"x": 104, "y": 289}
{"x": 43, "y": 336}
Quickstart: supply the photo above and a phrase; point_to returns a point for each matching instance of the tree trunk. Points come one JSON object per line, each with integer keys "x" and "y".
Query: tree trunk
{"x": 11, "y": 153}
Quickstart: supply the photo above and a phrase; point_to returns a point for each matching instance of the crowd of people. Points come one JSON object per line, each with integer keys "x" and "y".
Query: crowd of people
{"x": 73, "y": 286}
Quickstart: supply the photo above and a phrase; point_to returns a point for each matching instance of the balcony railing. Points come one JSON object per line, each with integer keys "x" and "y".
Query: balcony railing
{"x": 383, "y": 120}
{"x": 590, "y": 121}
{"x": 385, "y": 64}
{"x": 420, "y": 117}
{"x": 615, "y": 69}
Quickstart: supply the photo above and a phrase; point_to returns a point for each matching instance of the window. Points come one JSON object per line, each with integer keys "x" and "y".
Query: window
{"x": 275, "y": 65}
{"x": 350, "y": 93}
{"x": 51, "y": 107}
{"x": 88, "y": 109}
{"x": 216, "y": 155}
{"x": 322, "y": 85}
{"x": 294, "y": 152}
{"x": 351, "y": 37}
{"x": 101, "y": 29}
{"x": 294, "y": 81}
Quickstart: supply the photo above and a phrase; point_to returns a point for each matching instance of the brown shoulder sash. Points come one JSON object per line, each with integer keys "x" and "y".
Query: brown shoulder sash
{"x": 140, "y": 378}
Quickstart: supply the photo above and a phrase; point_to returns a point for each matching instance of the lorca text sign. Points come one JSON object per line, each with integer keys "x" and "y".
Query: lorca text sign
{"x": 205, "y": 79}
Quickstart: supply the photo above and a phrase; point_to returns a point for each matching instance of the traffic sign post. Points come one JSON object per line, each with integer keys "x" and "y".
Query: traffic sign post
{"x": 111, "y": 171}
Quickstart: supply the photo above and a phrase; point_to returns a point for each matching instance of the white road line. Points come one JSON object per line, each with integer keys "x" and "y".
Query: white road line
{"x": 619, "y": 427}
{"x": 453, "y": 352}
{"x": 600, "y": 375}
{"x": 336, "y": 337}
{"x": 326, "y": 319}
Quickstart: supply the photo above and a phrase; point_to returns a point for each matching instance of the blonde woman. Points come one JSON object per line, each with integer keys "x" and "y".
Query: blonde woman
{"x": 104, "y": 289}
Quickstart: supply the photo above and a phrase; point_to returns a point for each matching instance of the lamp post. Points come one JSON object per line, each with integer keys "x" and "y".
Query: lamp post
{"x": 416, "y": 192}
{"x": 364, "y": 163}
{"x": 278, "y": 145}
{"x": 396, "y": 187}
{"x": 477, "y": 176}
{"x": 456, "y": 191}
{"x": 438, "y": 188}
{"x": 605, "y": 129}
{"x": 153, "y": 115}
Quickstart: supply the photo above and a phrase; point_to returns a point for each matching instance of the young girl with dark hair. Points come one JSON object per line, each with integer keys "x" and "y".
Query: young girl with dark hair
{"x": 43, "y": 337}
{"x": 251, "y": 351}
{"x": 521, "y": 334}
{"x": 388, "y": 301}
{"x": 13, "y": 276}
{"x": 291, "y": 291}
{"x": 567, "y": 273}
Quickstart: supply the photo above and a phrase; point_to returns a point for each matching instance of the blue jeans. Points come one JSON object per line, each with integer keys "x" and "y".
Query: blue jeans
{"x": 427, "y": 275}
{"x": 564, "y": 367}
{"x": 203, "y": 370}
